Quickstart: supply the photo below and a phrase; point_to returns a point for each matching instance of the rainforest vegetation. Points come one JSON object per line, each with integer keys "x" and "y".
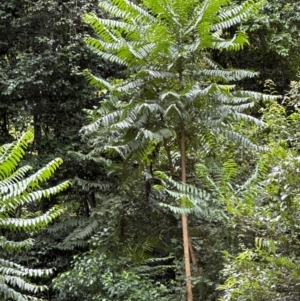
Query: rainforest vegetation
{"x": 149, "y": 150}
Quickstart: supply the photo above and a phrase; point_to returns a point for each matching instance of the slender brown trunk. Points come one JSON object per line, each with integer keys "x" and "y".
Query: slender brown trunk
{"x": 184, "y": 218}
{"x": 168, "y": 151}
{"x": 192, "y": 252}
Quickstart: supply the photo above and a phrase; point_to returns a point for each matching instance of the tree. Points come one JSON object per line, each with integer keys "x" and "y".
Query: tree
{"x": 42, "y": 90}
{"x": 172, "y": 95}
{"x": 18, "y": 190}
{"x": 40, "y": 83}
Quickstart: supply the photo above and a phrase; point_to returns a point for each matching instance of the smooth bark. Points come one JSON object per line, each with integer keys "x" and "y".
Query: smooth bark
{"x": 184, "y": 218}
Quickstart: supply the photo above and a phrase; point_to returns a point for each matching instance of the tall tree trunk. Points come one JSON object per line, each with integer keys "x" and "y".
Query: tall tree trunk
{"x": 184, "y": 218}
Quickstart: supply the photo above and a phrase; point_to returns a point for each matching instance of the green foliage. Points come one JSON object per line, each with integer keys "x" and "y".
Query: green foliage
{"x": 156, "y": 79}
{"x": 170, "y": 91}
{"x": 171, "y": 81}
{"x": 189, "y": 199}
{"x": 279, "y": 20}
{"x": 17, "y": 190}
{"x": 41, "y": 89}
{"x": 266, "y": 268}
{"x": 274, "y": 45}
{"x": 266, "y": 216}
{"x": 97, "y": 277}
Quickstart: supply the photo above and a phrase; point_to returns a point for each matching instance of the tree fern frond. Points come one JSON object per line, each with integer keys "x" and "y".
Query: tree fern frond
{"x": 127, "y": 11}
{"x": 182, "y": 189}
{"x": 166, "y": 94}
{"x": 91, "y": 157}
{"x": 241, "y": 116}
{"x": 9, "y": 245}
{"x": 144, "y": 50}
{"x": 240, "y": 139}
{"x": 13, "y": 269}
{"x": 259, "y": 174}
{"x": 130, "y": 85}
{"x": 67, "y": 224}
{"x": 109, "y": 57}
{"x": 18, "y": 175}
{"x": 211, "y": 63}
{"x": 236, "y": 15}
{"x": 164, "y": 133}
{"x": 107, "y": 120}
{"x": 236, "y": 10}
{"x": 235, "y": 101}
{"x": 150, "y": 107}
{"x": 82, "y": 232}
{"x": 16, "y": 189}
{"x": 133, "y": 8}
{"x": 158, "y": 74}
{"x": 11, "y": 155}
{"x": 71, "y": 245}
{"x": 125, "y": 123}
{"x": 221, "y": 112}
{"x": 178, "y": 210}
{"x": 227, "y": 75}
{"x": 256, "y": 95}
{"x": 116, "y": 11}
{"x": 90, "y": 185}
{"x": 109, "y": 23}
{"x": 196, "y": 91}
{"x": 236, "y": 43}
{"x": 92, "y": 127}
{"x": 142, "y": 153}
{"x": 200, "y": 16}
{"x": 96, "y": 81}
{"x": 10, "y": 294}
{"x": 154, "y": 266}
{"x": 100, "y": 26}
{"x": 100, "y": 30}
{"x": 238, "y": 108}
{"x": 208, "y": 139}
{"x": 31, "y": 224}
{"x": 20, "y": 283}
{"x": 21, "y": 197}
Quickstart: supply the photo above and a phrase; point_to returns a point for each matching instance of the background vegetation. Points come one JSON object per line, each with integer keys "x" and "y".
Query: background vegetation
{"x": 178, "y": 125}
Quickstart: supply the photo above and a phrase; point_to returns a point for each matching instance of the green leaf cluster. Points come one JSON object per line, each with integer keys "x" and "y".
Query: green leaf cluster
{"x": 265, "y": 212}
{"x": 17, "y": 189}
{"x": 97, "y": 277}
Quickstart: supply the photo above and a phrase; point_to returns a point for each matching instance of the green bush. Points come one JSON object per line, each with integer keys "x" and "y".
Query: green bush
{"x": 95, "y": 277}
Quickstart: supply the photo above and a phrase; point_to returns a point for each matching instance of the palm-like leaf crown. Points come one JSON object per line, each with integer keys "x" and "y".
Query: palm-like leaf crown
{"x": 17, "y": 190}
{"x": 164, "y": 46}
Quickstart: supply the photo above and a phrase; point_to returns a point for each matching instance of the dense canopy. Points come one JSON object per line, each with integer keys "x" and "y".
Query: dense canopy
{"x": 177, "y": 122}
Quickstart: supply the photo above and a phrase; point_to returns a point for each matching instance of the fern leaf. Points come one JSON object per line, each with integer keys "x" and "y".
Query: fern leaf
{"x": 16, "y": 189}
